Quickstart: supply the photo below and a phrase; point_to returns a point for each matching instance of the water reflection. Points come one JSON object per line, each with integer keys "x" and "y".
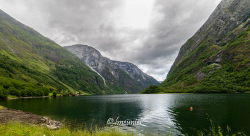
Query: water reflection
{"x": 224, "y": 110}
{"x": 84, "y": 110}
{"x": 161, "y": 113}
{"x": 189, "y": 122}
{"x": 156, "y": 116}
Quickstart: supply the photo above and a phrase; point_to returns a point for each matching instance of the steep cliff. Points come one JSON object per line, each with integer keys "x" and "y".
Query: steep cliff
{"x": 122, "y": 76}
{"x": 217, "y": 57}
{"x": 31, "y": 64}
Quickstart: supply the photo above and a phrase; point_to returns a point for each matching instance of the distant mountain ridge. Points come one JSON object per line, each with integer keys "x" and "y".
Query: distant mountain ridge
{"x": 123, "y": 76}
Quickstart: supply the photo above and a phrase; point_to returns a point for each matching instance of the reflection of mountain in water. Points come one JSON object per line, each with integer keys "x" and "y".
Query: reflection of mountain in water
{"x": 189, "y": 122}
{"x": 161, "y": 113}
{"x": 155, "y": 114}
{"x": 79, "y": 111}
{"x": 211, "y": 111}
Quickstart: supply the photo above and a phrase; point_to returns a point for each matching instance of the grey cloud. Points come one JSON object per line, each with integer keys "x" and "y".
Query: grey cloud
{"x": 177, "y": 21}
{"x": 88, "y": 21}
{"x": 92, "y": 22}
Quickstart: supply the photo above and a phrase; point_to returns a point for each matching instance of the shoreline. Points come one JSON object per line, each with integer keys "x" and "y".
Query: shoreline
{"x": 197, "y": 93}
{"x": 11, "y": 115}
{"x": 17, "y": 122}
{"x": 31, "y": 97}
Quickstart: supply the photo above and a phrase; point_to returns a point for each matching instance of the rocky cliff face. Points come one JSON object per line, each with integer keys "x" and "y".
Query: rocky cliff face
{"x": 122, "y": 76}
{"x": 221, "y": 45}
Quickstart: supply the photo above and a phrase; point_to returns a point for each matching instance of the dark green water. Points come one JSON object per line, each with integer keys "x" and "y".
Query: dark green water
{"x": 160, "y": 113}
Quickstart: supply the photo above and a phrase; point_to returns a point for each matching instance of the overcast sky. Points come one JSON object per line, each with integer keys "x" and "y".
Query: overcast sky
{"x": 148, "y": 33}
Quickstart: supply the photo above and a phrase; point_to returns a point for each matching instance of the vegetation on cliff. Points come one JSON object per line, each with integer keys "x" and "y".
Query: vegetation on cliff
{"x": 33, "y": 65}
{"x": 216, "y": 59}
{"x": 198, "y": 72}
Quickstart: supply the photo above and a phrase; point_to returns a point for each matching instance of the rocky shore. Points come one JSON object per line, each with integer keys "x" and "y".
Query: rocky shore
{"x": 10, "y": 115}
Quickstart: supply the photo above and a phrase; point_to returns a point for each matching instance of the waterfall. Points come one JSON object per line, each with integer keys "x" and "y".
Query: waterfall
{"x": 104, "y": 81}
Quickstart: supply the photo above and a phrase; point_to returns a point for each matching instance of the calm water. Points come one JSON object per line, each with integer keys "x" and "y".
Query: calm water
{"x": 161, "y": 113}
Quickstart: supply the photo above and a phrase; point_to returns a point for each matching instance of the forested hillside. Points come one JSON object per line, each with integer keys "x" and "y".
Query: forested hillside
{"x": 33, "y": 65}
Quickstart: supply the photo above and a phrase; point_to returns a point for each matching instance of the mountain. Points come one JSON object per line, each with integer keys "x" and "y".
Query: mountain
{"x": 217, "y": 57}
{"x": 122, "y": 76}
{"x": 31, "y": 64}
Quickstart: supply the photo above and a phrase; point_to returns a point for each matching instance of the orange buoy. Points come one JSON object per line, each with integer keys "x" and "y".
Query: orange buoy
{"x": 190, "y": 108}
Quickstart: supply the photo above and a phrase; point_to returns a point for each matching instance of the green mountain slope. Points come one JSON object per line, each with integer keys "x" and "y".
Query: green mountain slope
{"x": 217, "y": 57}
{"x": 31, "y": 64}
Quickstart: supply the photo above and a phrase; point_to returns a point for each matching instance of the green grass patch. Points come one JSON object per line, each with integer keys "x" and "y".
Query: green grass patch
{"x": 2, "y": 107}
{"x": 18, "y": 129}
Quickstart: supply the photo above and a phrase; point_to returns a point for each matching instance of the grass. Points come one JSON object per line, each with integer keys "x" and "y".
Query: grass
{"x": 10, "y": 97}
{"x": 2, "y": 107}
{"x": 217, "y": 131}
{"x": 17, "y": 129}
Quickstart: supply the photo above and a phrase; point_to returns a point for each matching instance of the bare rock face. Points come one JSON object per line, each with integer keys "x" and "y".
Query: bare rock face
{"x": 220, "y": 28}
{"x": 216, "y": 58}
{"x": 122, "y": 76}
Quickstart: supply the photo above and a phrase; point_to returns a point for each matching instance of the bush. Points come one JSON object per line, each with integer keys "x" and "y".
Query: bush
{"x": 152, "y": 89}
{"x": 19, "y": 88}
{"x": 14, "y": 91}
{"x": 3, "y": 93}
